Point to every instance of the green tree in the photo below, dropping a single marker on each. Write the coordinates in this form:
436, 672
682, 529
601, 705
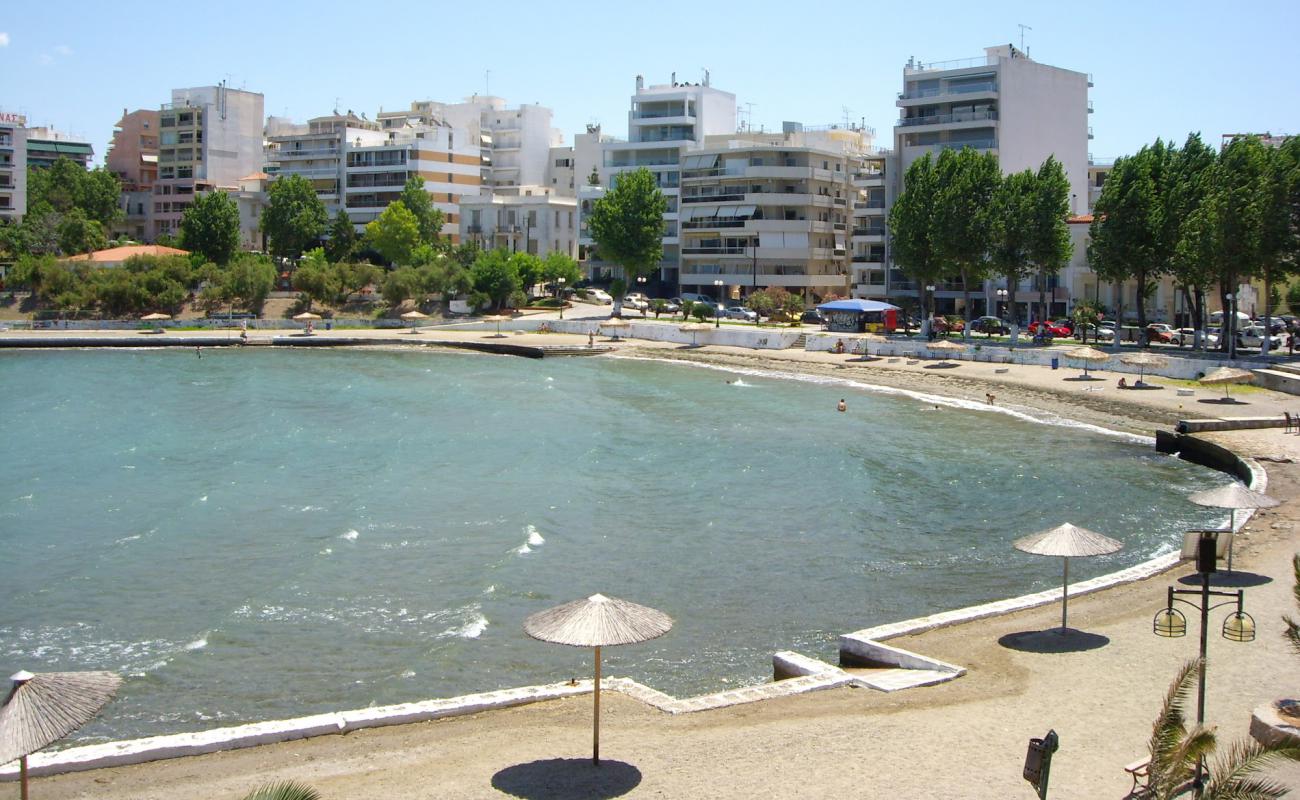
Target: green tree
420, 203
911, 222
247, 281
1012, 214
627, 225
394, 234
493, 275
1277, 237
529, 269
1191, 258
295, 218
1238, 214
401, 285
1176, 749
963, 227
1049, 245
315, 278
1126, 231
79, 234
559, 265
353, 278
31, 272
13, 240
761, 303
210, 227
98, 193
342, 238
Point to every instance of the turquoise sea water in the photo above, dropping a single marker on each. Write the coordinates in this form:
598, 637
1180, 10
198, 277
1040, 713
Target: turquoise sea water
256, 535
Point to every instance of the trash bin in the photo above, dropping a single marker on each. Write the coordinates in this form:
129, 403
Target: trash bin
1056, 362
330, 326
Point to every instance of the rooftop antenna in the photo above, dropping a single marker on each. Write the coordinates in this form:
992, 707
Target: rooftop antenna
336, 106
1023, 28
749, 116
848, 116
487, 82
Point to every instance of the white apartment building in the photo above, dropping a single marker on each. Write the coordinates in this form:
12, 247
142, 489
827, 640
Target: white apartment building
13, 166
1005, 103
664, 123
514, 143
209, 137
570, 166
759, 210
531, 219
361, 166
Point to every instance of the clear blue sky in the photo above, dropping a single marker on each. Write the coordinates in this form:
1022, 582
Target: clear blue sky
1160, 69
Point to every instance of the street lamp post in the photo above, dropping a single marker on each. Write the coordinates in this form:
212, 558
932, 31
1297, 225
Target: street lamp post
929, 321
560, 281
1229, 327
1002, 298
1170, 623
717, 313
640, 286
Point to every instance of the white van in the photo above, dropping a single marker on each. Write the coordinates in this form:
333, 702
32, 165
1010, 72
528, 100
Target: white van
698, 298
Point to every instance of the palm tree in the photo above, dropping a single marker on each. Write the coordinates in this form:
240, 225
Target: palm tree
1176, 750
1292, 632
287, 790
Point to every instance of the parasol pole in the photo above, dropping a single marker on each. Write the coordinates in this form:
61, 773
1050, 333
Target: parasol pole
595, 717
1065, 591
22, 775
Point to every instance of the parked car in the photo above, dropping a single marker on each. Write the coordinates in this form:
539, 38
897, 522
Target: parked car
1160, 332
631, 302
1095, 332
812, 317
1053, 329
740, 312
670, 306
600, 296
990, 325
1253, 336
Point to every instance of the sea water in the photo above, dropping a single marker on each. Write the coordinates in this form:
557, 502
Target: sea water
252, 535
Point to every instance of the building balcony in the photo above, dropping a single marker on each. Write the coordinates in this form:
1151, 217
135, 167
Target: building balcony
319, 152
919, 150
965, 92
958, 120
869, 260
869, 180
674, 119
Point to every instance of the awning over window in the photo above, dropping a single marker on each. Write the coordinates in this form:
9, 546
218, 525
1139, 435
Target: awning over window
700, 162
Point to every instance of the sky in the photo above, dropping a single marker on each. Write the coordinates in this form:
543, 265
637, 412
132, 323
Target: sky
1160, 70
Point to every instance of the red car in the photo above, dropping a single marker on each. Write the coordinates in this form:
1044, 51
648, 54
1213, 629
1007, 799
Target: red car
1053, 329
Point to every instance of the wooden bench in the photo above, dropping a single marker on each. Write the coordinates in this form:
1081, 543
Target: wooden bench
1140, 771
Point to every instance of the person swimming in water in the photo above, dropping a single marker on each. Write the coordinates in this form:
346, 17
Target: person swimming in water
843, 406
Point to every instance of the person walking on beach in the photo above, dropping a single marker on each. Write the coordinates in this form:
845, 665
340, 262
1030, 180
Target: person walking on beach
591, 338
843, 406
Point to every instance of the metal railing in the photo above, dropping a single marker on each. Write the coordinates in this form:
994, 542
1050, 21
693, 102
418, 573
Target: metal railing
965, 88
944, 119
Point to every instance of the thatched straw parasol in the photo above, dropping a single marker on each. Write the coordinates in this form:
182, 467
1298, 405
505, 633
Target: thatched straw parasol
597, 621
694, 328
498, 319
414, 316
1087, 355
616, 324
1067, 541
41, 709
944, 346
1228, 376
1142, 361
155, 317
306, 316
1233, 496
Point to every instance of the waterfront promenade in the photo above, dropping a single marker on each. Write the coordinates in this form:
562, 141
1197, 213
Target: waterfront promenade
963, 739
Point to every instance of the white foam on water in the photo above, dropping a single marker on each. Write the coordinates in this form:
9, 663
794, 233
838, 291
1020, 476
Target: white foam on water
549, 379
203, 499
351, 535
1040, 418
534, 538
126, 539
490, 589
326, 551
24, 497
198, 644
310, 508
128, 466
522, 549
410, 673
470, 630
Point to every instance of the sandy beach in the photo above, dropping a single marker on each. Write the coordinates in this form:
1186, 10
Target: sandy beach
962, 739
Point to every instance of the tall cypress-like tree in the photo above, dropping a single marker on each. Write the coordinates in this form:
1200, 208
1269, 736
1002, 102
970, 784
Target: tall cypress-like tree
627, 225
963, 224
1012, 213
420, 203
1186, 186
295, 218
911, 222
1049, 235
342, 240
1240, 200
1126, 227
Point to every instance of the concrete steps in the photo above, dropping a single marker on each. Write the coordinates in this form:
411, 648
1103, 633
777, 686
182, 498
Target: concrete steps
800, 343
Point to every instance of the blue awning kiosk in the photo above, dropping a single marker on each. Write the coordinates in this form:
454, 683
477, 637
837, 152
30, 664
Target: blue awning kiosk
857, 316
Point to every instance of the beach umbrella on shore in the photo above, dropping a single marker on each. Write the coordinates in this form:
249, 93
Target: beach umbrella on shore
43, 708
498, 319
155, 317
597, 621
306, 316
1226, 376
1067, 541
1087, 355
1233, 496
945, 346
616, 324
694, 328
1143, 361
414, 316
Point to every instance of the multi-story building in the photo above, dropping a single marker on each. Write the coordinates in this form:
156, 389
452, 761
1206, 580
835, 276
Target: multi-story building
13, 166
315, 151
45, 145
875, 184
250, 199
133, 158
532, 219
760, 210
514, 143
1004, 103
664, 122
208, 138
570, 166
